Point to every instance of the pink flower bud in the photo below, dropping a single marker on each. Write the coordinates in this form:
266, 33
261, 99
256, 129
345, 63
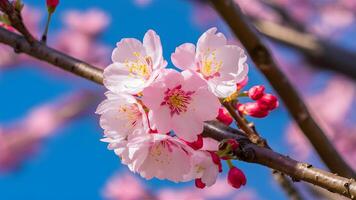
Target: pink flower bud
215, 158
233, 144
254, 110
256, 92
199, 183
52, 5
236, 177
196, 145
242, 84
268, 102
224, 116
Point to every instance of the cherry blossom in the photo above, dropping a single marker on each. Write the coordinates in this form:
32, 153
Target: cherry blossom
180, 102
203, 169
121, 115
135, 64
133, 190
160, 156
222, 65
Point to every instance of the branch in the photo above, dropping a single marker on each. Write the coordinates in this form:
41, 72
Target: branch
42, 52
15, 18
255, 138
249, 152
263, 60
320, 52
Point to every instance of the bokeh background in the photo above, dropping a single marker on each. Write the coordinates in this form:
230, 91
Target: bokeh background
68, 161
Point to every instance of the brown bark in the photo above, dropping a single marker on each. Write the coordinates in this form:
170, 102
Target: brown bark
260, 55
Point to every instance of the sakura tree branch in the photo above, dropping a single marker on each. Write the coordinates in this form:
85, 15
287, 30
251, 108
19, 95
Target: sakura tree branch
42, 52
320, 52
15, 17
248, 152
233, 16
255, 138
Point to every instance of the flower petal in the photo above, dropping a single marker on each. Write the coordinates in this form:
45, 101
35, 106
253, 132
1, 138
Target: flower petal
153, 46
184, 56
210, 40
127, 50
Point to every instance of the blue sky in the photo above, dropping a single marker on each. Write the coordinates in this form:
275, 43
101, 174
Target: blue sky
75, 164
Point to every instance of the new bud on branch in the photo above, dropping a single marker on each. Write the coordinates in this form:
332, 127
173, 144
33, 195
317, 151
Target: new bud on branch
236, 178
52, 5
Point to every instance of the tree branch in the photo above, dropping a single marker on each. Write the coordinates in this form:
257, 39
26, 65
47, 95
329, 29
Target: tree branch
263, 60
15, 18
320, 52
249, 152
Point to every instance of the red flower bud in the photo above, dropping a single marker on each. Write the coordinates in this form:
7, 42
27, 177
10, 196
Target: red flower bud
198, 144
268, 102
254, 110
242, 84
52, 5
199, 183
233, 144
224, 116
215, 158
256, 92
236, 177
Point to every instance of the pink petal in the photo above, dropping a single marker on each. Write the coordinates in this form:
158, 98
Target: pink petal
152, 44
205, 104
184, 56
187, 126
161, 119
210, 40
153, 95
192, 81
126, 50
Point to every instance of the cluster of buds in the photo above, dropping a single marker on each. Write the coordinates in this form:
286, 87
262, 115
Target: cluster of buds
236, 178
262, 105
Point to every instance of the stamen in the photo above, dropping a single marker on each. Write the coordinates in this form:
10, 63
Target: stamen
177, 100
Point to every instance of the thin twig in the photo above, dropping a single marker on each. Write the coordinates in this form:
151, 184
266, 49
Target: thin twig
255, 138
233, 16
15, 18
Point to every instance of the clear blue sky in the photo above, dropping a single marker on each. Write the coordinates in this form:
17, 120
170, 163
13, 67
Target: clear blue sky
75, 164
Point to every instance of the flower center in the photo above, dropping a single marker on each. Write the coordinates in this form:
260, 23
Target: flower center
210, 66
177, 99
132, 114
141, 67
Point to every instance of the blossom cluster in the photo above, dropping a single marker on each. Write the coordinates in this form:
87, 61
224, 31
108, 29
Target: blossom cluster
153, 116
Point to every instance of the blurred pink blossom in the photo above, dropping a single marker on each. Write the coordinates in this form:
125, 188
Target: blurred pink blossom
79, 39
91, 22
135, 190
124, 187
331, 107
22, 138
142, 3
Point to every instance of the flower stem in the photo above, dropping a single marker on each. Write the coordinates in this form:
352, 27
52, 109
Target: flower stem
44, 36
229, 162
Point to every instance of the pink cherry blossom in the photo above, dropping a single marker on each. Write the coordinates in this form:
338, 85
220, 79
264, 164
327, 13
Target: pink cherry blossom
159, 156
203, 168
222, 65
91, 22
22, 138
135, 64
121, 115
124, 187
180, 102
